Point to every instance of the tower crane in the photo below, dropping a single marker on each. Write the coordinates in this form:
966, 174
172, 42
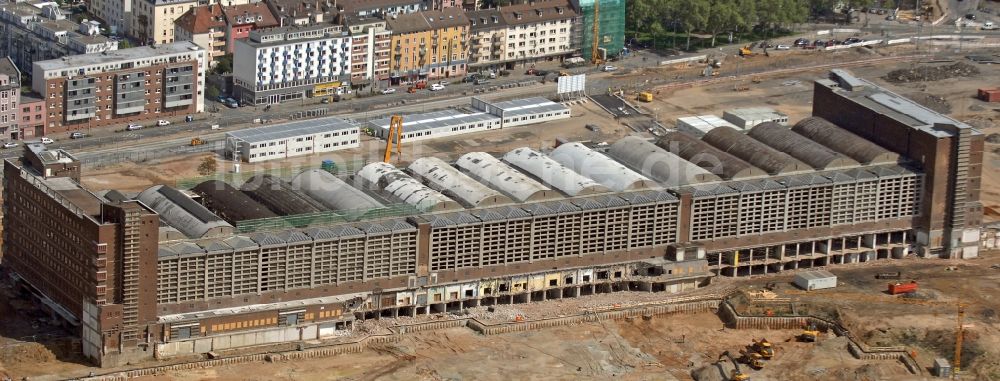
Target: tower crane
595, 54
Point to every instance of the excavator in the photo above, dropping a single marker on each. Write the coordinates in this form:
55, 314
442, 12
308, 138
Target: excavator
737, 375
764, 348
809, 334
754, 360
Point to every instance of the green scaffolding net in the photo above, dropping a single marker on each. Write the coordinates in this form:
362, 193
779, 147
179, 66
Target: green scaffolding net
611, 36
325, 218
237, 179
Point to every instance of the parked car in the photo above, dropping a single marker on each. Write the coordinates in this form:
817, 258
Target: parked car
783, 47
481, 81
389, 91
609, 68
970, 16
133, 127
325, 100
162, 122
77, 135
9, 145
802, 42
819, 43
833, 42
437, 86
232, 103
444, 83
47, 141
852, 40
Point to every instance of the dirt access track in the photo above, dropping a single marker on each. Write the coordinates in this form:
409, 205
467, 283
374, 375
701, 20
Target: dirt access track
687, 346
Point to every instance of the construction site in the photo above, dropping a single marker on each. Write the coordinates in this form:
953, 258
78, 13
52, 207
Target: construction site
579, 253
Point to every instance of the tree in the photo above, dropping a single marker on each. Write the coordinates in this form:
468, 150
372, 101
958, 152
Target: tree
207, 166
224, 65
212, 92
724, 15
124, 44
693, 16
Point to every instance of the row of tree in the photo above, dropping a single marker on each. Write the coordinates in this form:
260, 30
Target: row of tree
720, 16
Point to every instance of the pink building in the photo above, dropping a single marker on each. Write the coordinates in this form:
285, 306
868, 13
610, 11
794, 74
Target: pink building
10, 94
241, 19
31, 117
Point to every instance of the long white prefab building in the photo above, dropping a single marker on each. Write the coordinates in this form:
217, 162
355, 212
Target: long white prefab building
438, 124
292, 139
489, 116
525, 111
747, 118
702, 124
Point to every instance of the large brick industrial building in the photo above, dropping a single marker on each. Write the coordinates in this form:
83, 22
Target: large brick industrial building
170, 272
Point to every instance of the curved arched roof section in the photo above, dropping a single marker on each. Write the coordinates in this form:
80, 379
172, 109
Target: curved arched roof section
706, 156
279, 196
184, 214
229, 203
658, 164
406, 188
447, 179
553, 173
332, 192
754, 152
783, 139
601, 168
841, 140
490, 170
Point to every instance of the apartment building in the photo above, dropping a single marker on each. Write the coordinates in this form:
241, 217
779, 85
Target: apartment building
293, 62
31, 116
205, 26
40, 31
370, 52
243, 18
304, 12
538, 31
380, 8
429, 44
120, 87
117, 14
10, 95
487, 38
153, 20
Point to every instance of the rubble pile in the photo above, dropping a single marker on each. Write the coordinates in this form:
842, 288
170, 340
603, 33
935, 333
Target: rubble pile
931, 73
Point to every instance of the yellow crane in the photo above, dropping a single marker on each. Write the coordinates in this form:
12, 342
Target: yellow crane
958, 340
595, 54
395, 132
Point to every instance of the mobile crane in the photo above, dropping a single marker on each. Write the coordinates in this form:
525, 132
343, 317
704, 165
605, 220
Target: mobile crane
395, 132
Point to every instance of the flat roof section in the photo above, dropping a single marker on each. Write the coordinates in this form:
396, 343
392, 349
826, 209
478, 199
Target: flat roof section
435, 120
885, 102
75, 194
527, 106
291, 130
130, 54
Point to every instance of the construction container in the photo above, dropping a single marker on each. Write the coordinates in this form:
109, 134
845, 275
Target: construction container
902, 288
989, 95
942, 368
815, 280
889, 275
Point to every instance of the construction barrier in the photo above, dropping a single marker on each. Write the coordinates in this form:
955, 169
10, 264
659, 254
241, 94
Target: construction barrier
683, 60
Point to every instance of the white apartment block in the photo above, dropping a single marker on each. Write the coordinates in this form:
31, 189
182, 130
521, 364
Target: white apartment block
153, 20
292, 139
117, 14
280, 64
371, 40
538, 30
487, 38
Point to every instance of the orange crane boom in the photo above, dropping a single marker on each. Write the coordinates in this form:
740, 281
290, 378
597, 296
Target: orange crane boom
395, 132
595, 54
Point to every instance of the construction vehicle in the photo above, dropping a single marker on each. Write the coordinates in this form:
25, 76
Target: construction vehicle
197, 142
563, 74
421, 84
746, 52
753, 360
764, 348
902, 288
809, 334
395, 133
737, 374
755, 79
645, 96
741, 86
